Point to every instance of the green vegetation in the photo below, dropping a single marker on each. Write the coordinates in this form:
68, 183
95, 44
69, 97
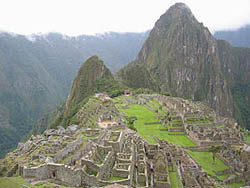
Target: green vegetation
44, 70
246, 137
218, 186
175, 179
114, 138
142, 91
220, 126
93, 77
130, 122
156, 106
214, 150
19, 182
237, 184
142, 183
116, 178
205, 159
144, 115
92, 173
155, 67
12, 183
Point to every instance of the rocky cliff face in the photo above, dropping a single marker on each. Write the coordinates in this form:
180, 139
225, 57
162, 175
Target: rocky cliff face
182, 57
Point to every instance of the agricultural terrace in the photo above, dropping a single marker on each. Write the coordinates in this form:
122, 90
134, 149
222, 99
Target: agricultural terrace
205, 159
145, 115
19, 182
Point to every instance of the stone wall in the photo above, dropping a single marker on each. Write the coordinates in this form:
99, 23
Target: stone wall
66, 174
158, 184
117, 146
223, 159
72, 146
210, 143
90, 165
43, 172
227, 171
152, 123
30, 172
121, 172
141, 177
78, 155
202, 143
176, 129
12, 171
62, 174
105, 169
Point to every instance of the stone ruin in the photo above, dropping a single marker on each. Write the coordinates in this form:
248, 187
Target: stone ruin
91, 156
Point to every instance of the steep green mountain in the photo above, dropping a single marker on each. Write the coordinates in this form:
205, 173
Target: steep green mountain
239, 37
27, 90
182, 57
36, 73
93, 77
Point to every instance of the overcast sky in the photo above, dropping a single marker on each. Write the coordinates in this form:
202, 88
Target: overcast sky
75, 17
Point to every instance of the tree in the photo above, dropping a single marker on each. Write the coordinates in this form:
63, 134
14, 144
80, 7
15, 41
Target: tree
130, 122
214, 150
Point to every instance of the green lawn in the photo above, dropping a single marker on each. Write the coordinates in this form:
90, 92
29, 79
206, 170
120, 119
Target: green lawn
156, 106
19, 182
205, 159
116, 178
10, 183
142, 183
220, 126
175, 179
148, 132
237, 184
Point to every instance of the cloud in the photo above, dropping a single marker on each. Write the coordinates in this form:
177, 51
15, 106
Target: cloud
95, 16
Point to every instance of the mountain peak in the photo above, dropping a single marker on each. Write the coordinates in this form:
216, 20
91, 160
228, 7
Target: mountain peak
181, 7
178, 12
93, 77
92, 70
177, 54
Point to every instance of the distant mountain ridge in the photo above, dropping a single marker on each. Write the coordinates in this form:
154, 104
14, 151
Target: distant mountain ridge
36, 73
239, 37
182, 57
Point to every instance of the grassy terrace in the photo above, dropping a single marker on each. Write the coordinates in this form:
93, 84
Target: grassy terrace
220, 126
148, 132
237, 184
175, 179
116, 178
205, 159
155, 105
18, 182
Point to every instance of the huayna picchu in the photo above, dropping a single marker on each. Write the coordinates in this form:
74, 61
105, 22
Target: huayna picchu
134, 129
182, 57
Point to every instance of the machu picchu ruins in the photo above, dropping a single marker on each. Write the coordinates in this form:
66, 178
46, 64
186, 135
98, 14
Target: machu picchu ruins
166, 108
101, 150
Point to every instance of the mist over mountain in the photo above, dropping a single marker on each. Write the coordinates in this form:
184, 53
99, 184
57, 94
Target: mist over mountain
239, 37
36, 73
